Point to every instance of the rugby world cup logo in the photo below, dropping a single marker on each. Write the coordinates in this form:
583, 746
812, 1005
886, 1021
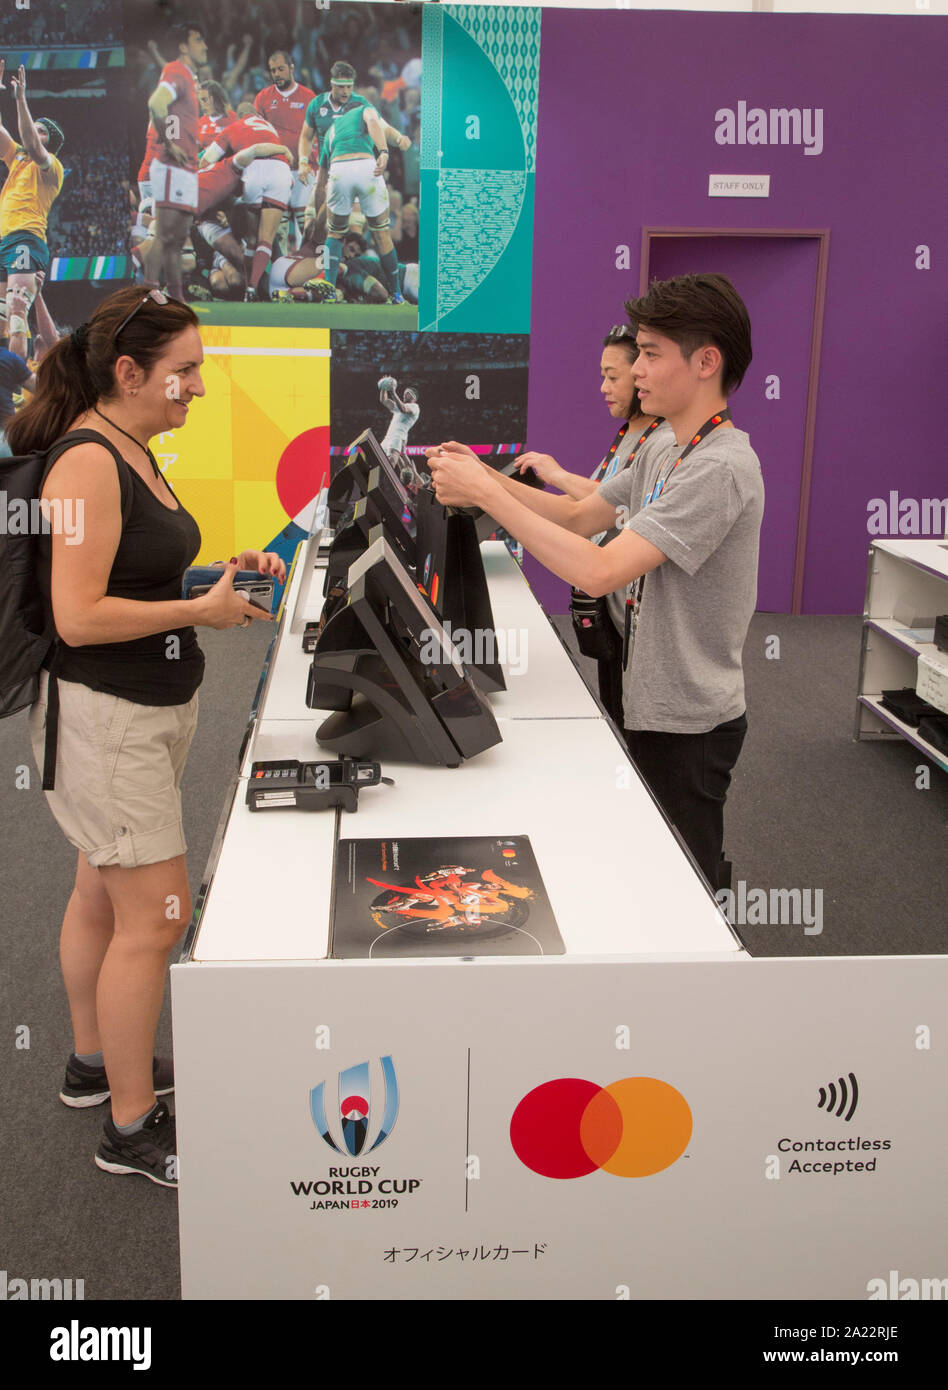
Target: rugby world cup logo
356, 1119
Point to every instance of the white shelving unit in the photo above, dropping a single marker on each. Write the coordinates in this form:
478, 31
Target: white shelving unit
908, 578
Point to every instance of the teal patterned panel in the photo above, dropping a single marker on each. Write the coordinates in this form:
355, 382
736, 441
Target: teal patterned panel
478, 157
510, 37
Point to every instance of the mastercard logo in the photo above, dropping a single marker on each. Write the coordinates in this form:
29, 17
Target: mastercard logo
632, 1128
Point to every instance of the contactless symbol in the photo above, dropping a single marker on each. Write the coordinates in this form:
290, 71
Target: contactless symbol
354, 1113
569, 1127
829, 1097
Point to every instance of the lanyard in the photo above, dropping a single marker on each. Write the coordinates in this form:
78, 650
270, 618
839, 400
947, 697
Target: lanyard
605, 468
634, 600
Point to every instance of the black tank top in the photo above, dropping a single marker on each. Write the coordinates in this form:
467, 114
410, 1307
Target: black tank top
156, 546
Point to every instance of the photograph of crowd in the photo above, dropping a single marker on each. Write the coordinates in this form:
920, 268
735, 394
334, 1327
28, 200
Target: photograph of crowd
275, 152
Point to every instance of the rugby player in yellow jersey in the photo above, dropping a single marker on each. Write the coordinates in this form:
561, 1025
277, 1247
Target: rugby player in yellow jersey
33, 181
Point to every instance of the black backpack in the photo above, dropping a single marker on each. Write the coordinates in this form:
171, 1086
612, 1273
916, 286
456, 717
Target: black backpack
27, 631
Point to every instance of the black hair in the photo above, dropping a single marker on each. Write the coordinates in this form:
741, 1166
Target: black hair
623, 336
54, 133
694, 310
181, 32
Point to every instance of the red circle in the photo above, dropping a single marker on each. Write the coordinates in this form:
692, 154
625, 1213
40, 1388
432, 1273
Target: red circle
354, 1103
303, 468
545, 1129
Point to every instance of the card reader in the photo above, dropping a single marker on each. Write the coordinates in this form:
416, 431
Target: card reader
317, 786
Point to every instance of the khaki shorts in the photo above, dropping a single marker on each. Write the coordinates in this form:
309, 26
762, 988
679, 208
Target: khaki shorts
117, 795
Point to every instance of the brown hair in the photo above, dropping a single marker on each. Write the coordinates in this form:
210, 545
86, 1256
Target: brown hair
74, 375
220, 101
694, 310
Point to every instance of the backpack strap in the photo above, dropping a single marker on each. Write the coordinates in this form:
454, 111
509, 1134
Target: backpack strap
68, 441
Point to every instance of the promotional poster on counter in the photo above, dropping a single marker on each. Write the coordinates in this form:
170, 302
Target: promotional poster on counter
465, 896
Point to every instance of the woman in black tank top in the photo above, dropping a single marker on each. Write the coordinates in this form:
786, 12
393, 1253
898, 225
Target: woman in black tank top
126, 654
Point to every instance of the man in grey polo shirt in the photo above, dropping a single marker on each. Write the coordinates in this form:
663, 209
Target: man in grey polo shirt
690, 513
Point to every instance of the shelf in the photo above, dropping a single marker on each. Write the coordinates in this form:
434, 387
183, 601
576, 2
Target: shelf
888, 627
872, 702
930, 555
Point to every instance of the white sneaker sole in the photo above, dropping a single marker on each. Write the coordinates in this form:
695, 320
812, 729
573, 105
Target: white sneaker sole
123, 1168
84, 1102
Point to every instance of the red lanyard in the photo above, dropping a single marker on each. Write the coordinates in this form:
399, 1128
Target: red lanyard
603, 468
634, 599
704, 431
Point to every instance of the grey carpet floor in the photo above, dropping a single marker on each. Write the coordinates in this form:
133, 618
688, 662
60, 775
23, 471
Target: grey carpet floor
808, 808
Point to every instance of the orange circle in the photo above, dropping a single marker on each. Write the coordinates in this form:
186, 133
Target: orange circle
656, 1126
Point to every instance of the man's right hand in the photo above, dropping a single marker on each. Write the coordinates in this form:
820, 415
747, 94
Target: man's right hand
174, 154
452, 446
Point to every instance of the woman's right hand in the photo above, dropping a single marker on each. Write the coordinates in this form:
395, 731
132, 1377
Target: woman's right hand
223, 606
544, 466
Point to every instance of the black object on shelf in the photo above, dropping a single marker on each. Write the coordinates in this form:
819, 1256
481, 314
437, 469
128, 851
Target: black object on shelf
933, 728
941, 632
906, 705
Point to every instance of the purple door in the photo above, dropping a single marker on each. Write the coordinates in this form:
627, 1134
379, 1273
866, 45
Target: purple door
776, 277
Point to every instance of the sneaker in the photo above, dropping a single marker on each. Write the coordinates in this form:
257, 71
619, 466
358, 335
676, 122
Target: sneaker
198, 290
85, 1086
250, 295
319, 289
152, 1152
396, 299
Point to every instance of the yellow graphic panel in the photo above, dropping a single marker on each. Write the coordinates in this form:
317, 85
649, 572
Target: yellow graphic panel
258, 515
211, 503
240, 464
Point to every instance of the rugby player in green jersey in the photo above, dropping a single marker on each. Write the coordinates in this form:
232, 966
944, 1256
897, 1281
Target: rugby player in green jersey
357, 157
321, 112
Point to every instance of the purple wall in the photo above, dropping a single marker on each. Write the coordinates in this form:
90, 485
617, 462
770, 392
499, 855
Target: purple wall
626, 140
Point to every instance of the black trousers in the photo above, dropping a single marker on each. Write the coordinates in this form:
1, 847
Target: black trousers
610, 679
689, 775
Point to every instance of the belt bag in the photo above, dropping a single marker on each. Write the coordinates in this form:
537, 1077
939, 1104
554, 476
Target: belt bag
595, 631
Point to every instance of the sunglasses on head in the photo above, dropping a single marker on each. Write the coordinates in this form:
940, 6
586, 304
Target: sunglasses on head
622, 330
157, 297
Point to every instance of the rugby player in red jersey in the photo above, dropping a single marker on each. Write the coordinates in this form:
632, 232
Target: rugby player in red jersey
174, 114
284, 105
267, 182
216, 112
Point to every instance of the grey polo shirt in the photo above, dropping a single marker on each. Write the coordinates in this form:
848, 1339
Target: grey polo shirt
685, 673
